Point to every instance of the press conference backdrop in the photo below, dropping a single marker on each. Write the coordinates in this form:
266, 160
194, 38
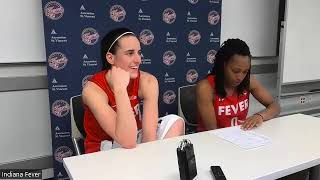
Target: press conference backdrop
301, 42
22, 39
183, 36
21, 32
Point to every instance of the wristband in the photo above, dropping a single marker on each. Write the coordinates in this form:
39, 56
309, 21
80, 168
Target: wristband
260, 116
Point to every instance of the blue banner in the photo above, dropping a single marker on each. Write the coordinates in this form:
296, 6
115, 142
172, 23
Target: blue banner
178, 41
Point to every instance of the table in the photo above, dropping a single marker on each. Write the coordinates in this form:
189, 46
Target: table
294, 146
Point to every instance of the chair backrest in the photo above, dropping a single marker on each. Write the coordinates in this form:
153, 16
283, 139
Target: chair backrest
187, 107
77, 128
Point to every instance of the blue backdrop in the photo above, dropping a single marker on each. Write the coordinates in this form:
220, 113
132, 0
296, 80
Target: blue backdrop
179, 40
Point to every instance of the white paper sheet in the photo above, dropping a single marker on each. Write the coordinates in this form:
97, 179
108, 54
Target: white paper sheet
244, 139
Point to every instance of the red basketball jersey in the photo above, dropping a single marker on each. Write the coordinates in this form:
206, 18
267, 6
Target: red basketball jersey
95, 134
230, 110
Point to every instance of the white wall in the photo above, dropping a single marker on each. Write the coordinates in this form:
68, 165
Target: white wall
301, 41
254, 21
21, 32
25, 130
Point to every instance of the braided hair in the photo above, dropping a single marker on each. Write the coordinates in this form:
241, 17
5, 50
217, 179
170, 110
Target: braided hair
228, 49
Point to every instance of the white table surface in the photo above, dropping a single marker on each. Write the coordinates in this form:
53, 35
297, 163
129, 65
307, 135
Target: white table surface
294, 146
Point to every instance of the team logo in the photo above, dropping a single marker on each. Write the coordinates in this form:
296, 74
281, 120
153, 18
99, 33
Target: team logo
193, 1
211, 56
85, 80
60, 108
169, 97
57, 60
117, 13
169, 58
146, 37
62, 152
194, 37
213, 17
192, 76
90, 36
169, 16
53, 10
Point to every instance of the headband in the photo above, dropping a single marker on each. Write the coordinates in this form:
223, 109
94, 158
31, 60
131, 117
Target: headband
119, 38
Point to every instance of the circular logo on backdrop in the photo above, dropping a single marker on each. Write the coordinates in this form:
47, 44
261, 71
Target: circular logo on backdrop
213, 17
192, 76
169, 97
57, 60
62, 152
211, 56
53, 10
117, 13
169, 16
146, 37
194, 37
60, 108
169, 58
90, 36
193, 1
85, 80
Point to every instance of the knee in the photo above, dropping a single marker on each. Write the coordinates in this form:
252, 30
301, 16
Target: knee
179, 126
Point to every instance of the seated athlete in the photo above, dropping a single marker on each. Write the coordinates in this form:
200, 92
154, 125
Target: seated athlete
223, 96
112, 97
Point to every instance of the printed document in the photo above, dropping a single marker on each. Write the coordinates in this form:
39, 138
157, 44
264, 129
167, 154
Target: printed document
244, 139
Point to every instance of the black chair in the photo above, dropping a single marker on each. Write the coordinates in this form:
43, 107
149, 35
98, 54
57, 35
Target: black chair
187, 107
77, 130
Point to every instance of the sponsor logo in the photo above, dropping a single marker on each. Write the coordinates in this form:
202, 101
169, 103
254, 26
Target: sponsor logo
60, 108
89, 36
58, 87
168, 79
171, 39
59, 174
169, 58
88, 62
191, 19
146, 37
190, 59
53, 10
62, 152
86, 14
213, 39
145, 60
213, 17
61, 134
169, 97
169, 16
57, 60
56, 38
117, 13
192, 76
194, 37
142, 16
211, 56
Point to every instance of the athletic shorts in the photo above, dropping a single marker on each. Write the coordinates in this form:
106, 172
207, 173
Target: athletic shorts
164, 124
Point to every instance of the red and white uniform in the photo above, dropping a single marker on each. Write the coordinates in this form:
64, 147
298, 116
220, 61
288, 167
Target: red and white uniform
95, 134
230, 111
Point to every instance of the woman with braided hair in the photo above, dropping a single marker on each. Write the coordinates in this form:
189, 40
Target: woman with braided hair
223, 96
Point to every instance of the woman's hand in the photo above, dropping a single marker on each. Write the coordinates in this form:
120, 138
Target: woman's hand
120, 78
252, 121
